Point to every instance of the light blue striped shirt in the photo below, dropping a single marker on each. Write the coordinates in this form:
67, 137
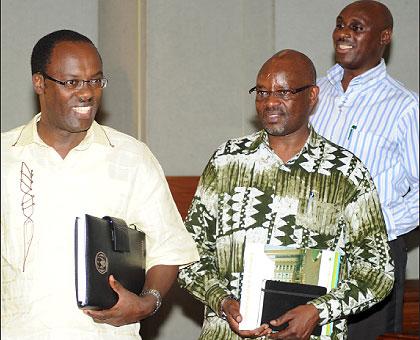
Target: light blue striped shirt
377, 119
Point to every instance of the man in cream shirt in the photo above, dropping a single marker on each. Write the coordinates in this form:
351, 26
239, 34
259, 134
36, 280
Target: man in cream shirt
62, 164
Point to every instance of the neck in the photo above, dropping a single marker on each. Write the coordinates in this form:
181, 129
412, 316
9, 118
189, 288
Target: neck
290, 145
349, 74
61, 141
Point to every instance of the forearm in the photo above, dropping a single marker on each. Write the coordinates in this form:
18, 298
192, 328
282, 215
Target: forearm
368, 276
352, 296
407, 183
202, 279
161, 278
206, 288
367, 273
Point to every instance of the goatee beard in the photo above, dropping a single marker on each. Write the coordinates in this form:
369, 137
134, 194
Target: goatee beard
275, 132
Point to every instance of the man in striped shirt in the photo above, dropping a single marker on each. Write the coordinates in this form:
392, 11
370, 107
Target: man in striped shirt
366, 111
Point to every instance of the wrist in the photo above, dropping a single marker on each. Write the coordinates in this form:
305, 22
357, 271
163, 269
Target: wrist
222, 303
156, 294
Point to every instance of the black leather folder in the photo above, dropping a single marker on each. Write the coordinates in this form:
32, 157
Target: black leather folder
105, 246
279, 297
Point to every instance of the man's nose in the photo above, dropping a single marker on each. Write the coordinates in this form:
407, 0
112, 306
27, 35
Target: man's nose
344, 32
85, 93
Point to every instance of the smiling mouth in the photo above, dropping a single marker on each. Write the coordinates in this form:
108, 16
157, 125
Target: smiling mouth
83, 111
343, 47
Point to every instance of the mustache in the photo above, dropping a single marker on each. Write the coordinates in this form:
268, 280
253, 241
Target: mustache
273, 109
345, 40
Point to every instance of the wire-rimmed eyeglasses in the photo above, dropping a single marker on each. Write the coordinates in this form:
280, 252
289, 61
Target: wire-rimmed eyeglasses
282, 94
76, 84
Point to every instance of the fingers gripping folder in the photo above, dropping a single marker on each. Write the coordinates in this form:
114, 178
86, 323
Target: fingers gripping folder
103, 247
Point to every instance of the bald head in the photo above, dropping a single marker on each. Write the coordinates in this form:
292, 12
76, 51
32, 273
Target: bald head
376, 11
292, 62
286, 95
362, 33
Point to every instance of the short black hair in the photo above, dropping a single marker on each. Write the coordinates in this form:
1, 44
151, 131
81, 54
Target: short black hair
41, 53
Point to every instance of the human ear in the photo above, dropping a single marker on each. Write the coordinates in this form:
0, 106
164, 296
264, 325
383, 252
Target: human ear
314, 91
313, 97
38, 83
386, 36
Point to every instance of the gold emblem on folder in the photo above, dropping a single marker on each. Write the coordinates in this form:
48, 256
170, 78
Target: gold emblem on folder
101, 262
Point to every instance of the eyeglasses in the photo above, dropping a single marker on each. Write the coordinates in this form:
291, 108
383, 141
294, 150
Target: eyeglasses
282, 94
76, 84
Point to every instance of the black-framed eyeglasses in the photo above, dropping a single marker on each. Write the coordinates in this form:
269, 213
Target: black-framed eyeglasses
76, 84
282, 94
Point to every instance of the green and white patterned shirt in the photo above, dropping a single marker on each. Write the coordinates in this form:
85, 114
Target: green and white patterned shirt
322, 198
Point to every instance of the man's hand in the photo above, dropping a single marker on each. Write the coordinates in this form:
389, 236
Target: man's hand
231, 309
130, 307
302, 321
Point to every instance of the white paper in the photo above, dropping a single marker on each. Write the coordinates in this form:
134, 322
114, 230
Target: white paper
81, 258
327, 268
257, 268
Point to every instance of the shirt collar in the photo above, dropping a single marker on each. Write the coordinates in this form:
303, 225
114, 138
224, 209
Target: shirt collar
312, 142
366, 79
29, 134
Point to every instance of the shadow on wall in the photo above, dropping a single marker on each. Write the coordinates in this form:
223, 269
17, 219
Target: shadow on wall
412, 239
387, 54
191, 309
255, 122
118, 108
35, 103
101, 116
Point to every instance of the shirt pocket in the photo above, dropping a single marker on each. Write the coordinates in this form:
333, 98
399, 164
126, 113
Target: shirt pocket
377, 152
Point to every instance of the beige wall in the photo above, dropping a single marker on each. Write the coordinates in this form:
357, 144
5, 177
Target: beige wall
120, 45
186, 66
202, 58
23, 23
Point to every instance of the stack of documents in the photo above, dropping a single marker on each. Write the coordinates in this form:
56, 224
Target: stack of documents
277, 279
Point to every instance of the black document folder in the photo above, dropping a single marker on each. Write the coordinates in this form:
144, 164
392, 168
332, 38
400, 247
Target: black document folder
279, 297
103, 247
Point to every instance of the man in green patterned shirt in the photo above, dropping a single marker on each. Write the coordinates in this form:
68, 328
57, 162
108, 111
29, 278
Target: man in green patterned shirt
294, 188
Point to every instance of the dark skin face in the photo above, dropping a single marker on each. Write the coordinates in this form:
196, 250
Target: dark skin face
68, 113
361, 34
286, 121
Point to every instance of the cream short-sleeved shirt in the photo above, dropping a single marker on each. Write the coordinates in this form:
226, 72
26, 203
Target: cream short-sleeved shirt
108, 173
